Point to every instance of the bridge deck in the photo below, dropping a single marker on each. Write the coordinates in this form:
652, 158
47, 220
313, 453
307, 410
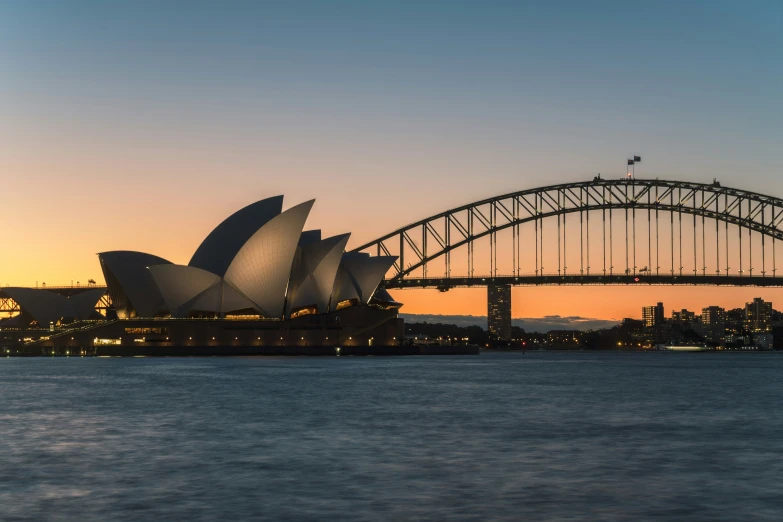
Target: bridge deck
62, 290
444, 283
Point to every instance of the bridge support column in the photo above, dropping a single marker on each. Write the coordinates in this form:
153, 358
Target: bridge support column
499, 311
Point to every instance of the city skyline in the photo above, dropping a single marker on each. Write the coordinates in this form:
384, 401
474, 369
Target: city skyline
580, 323
120, 120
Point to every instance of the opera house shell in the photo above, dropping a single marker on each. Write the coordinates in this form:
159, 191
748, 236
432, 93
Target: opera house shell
259, 261
258, 277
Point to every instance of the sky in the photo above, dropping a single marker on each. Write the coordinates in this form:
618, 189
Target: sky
141, 125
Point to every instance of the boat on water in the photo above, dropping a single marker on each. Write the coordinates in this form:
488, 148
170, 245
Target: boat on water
683, 347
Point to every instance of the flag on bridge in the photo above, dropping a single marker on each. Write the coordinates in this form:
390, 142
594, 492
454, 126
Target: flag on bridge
637, 159
630, 162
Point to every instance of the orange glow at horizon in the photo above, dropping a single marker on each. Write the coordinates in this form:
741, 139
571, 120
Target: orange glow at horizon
142, 126
61, 251
595, 302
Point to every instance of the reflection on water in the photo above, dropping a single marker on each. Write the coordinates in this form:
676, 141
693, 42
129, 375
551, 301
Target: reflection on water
500, 436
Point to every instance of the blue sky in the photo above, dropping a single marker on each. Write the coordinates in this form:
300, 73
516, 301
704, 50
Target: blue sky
418, 106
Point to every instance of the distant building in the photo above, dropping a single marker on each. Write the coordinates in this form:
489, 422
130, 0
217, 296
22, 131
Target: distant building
735, 340
564, 338
735, 321
499, 311
758, 316
653, 315
655, 328
683, 316
763, 341
425, 340
713, 323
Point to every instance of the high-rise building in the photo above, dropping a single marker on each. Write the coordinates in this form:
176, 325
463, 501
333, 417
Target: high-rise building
735, 321
713, 323
655, 329
499, 311
758, 316
653, 315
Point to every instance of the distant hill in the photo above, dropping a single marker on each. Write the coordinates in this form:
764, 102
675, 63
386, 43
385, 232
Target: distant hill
529, 324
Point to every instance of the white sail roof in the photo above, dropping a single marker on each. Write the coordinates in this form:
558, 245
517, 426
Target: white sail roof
262, 267
187, 288
232, 300
179, 284
259, 258
220, 298
359, 276
344, 287
221, 246
128, 279
207, 301
314, 273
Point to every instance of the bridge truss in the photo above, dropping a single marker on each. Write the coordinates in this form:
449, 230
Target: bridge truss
623, 231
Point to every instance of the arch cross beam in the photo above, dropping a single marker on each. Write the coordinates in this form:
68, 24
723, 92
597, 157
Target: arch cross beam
440, 234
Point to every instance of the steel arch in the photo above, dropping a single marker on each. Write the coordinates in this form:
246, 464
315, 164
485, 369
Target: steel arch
748, 210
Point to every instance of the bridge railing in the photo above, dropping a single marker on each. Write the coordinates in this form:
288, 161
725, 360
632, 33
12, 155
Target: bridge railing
445, 283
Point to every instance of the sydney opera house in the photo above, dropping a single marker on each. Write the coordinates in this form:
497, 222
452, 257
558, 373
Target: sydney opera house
257, 283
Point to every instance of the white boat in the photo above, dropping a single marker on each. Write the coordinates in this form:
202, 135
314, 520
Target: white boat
686, 347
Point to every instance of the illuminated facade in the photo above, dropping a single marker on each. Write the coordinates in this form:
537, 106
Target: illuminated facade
499, 311
683, 316
653, 315
713, 323
758, 316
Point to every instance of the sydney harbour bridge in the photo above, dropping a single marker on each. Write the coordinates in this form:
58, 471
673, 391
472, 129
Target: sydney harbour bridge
623, 231
600, 232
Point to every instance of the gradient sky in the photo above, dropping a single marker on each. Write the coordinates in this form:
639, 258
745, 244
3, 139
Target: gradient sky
141, 125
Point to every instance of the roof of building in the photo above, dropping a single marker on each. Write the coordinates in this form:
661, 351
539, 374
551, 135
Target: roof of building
222, 245
257, 259
262, 267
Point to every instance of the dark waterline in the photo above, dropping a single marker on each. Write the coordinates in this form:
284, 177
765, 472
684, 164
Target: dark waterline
501, 436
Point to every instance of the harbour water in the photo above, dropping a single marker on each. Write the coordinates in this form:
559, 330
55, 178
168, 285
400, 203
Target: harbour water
500, 436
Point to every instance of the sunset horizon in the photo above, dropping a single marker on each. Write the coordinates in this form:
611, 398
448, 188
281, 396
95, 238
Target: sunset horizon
142, 126
351, 261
